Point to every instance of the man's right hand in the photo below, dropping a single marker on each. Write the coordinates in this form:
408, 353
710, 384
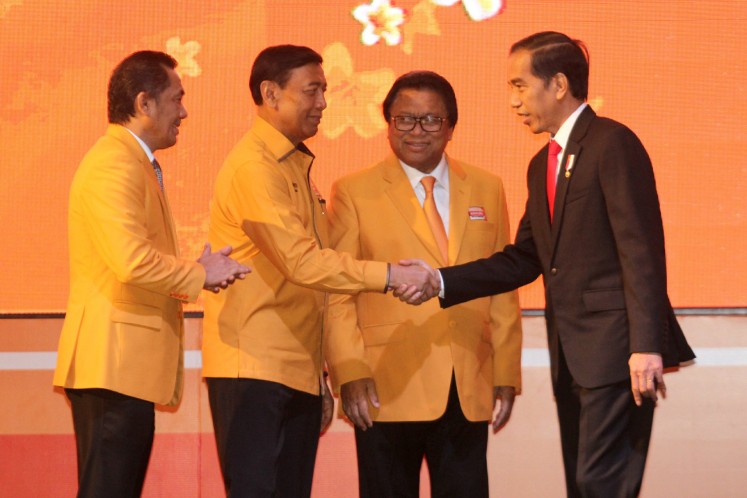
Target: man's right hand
414, 281
355, 396
220, 270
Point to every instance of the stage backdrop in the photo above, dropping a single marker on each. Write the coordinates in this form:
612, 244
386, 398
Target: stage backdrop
674, 71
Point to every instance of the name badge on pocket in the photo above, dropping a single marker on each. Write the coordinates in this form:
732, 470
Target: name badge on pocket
477, 213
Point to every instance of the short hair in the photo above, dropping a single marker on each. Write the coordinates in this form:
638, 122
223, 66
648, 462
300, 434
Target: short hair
276, 63
144, 71
423, 80
554, 53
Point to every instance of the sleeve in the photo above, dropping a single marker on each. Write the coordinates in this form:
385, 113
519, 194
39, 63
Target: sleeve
516, 265
344, 348
262, 203
629, 188
113, 203
505, 316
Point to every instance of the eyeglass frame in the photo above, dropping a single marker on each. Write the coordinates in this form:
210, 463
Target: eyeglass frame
418, 120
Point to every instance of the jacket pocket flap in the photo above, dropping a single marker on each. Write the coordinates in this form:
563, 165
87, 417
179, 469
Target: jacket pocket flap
378, 335
137, 314
605, 299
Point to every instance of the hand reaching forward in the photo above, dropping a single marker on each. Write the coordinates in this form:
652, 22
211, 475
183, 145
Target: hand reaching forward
409, 291
355, 396
220, 270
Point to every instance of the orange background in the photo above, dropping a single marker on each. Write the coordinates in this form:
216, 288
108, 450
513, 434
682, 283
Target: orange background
673, 71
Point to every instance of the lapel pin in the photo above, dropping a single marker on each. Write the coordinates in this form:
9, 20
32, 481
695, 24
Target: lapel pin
569, 165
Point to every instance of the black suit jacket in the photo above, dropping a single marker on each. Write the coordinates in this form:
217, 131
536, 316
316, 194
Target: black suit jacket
602, 258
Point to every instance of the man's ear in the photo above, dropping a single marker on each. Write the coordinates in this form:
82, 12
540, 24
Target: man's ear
560, 85
270, 93
143, 104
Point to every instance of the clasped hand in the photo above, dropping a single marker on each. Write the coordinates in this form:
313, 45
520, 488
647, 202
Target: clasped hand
220, 270
414, 281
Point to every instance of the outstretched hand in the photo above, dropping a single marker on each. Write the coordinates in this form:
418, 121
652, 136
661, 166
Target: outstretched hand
415, 291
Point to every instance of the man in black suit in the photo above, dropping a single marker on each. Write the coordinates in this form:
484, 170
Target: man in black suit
600, 249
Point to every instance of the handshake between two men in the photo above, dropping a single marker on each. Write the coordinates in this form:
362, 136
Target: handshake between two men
414, 281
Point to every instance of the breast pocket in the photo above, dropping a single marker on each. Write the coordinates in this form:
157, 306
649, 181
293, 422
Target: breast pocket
480, 235
575, 195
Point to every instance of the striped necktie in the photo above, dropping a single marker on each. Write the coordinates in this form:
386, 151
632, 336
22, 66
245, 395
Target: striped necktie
159, 174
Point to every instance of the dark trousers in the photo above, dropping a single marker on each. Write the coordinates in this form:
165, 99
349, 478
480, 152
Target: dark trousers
267, 435
390, 455
604, 437
114, 437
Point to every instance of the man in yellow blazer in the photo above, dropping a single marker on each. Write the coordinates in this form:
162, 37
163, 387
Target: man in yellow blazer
120, 350
420, 381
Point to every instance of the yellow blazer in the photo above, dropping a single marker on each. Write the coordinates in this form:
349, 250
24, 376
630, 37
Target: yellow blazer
123, 328
411, 351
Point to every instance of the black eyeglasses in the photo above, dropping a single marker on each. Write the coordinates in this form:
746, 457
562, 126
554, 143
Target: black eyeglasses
427, 123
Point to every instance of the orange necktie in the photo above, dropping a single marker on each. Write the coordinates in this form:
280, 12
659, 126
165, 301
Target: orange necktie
552, 173
434, 219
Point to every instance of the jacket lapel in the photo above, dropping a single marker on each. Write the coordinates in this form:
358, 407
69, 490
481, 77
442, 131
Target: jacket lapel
122, 134
571, 163
403, 197
459, 200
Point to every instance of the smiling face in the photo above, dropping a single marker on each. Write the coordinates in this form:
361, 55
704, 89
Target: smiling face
165, 114
296, 109
537, 102
418, 148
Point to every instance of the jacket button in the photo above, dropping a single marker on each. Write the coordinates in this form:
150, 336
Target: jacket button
554, 271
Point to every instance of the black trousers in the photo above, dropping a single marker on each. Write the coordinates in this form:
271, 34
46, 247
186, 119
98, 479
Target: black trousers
390, 455
267, 436
604, 437
114, 437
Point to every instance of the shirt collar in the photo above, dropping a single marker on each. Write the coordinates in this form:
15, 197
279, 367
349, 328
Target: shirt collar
276, 142
564, 132
147, 150
440, 173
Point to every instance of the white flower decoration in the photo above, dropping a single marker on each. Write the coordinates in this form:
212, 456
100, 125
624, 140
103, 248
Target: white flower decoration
380, 20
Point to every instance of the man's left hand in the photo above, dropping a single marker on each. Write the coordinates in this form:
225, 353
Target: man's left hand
646, 376
328, 407
506, 394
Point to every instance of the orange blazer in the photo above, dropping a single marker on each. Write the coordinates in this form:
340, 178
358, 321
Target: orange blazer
411, 351
123, 328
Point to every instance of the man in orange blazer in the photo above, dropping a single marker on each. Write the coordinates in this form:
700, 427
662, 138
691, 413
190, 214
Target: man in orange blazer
420, 381
120, 350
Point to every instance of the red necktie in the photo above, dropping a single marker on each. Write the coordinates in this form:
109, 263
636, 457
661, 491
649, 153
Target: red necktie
552, 173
